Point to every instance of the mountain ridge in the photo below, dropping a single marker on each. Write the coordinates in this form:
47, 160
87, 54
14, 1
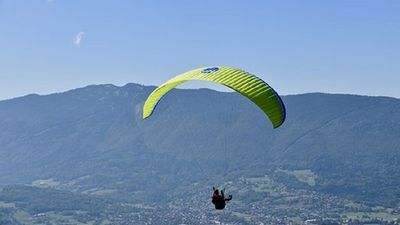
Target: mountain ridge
154, 86
97, 132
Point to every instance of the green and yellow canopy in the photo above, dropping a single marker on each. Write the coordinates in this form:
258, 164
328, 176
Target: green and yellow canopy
245, 83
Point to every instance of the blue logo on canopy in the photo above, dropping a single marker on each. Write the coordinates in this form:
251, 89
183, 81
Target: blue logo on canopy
210, 70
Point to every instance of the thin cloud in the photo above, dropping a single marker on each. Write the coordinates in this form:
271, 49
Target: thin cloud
78, 38
50, 1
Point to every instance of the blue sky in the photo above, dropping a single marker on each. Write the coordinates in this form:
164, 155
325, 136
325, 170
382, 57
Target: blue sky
335, 46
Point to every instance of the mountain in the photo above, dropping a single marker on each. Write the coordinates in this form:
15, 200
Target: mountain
92, 140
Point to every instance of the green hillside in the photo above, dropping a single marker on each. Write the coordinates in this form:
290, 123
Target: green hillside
92, 140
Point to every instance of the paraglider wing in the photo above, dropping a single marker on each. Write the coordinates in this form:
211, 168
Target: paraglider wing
246, 84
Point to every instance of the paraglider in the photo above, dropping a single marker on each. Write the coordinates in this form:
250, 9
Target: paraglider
248, 85
219, 200
242, 82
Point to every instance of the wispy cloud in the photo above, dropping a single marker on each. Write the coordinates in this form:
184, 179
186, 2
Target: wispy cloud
78, 38
50, 1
